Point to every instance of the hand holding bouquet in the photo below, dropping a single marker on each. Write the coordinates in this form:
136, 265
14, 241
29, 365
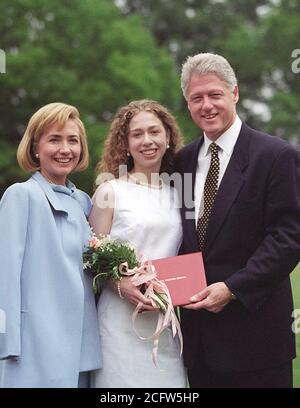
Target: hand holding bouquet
111, 259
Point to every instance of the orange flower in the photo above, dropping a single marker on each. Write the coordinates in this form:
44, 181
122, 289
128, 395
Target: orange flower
95, 243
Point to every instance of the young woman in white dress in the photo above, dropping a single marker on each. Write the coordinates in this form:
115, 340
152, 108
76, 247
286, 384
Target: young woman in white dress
139, 208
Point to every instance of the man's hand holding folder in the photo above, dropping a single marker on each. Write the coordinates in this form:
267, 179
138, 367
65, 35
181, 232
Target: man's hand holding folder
213, 298
184, 276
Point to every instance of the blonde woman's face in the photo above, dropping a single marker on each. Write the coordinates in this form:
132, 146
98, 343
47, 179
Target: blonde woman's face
59, 151
147, 142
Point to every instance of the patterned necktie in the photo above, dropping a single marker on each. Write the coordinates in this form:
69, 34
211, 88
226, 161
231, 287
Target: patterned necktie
210, 192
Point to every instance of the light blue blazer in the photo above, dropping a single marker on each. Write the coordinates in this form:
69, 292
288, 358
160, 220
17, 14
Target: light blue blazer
48, 323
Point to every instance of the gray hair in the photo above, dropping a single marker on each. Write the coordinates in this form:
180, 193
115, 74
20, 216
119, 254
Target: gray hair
206, 63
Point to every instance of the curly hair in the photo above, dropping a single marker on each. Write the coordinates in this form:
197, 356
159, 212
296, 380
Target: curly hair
116, 144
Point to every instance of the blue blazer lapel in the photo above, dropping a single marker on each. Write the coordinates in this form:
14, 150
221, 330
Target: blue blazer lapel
230, 187
49, 193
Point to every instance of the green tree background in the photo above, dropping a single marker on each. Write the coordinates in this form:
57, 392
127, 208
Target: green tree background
82, 53
100, 54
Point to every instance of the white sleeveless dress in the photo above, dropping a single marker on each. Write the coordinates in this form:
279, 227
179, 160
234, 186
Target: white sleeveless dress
147, 218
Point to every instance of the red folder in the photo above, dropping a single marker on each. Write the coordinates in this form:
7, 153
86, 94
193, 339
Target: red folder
184, 276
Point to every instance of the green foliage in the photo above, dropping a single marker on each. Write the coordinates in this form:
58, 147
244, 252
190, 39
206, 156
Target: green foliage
98, 56
281, 33
8, 166
96, 134
296, 294
83, 53
256, 36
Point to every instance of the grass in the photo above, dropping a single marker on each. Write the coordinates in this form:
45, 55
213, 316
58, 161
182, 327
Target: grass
296, 294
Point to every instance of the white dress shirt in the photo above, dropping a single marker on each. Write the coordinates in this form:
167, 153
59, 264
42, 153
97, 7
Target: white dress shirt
226, 143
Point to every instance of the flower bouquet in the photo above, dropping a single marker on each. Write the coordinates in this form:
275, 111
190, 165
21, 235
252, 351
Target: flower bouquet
110, 259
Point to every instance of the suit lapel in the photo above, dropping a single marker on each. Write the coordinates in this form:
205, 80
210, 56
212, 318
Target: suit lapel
49, 193
230, 186
189, 189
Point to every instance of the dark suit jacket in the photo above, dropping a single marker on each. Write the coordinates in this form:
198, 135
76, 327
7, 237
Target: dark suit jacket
252, 244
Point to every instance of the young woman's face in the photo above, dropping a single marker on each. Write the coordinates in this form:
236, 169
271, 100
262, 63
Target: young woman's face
59, 151
147, 142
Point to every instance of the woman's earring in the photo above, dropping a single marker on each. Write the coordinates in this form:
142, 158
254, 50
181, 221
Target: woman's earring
128, 154
168, 146
36, 155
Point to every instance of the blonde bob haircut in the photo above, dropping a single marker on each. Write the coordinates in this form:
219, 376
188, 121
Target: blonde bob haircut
47, 116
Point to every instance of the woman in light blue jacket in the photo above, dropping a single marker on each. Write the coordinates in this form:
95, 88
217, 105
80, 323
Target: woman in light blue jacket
48, 325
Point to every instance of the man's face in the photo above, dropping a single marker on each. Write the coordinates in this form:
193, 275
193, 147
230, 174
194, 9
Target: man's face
212, 104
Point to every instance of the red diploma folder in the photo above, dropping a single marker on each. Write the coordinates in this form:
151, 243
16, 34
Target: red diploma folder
183, 274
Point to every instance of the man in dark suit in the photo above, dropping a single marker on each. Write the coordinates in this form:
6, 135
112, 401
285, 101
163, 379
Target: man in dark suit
246, 221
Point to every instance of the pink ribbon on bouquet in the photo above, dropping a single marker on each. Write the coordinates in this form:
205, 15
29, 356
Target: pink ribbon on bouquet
146, 274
